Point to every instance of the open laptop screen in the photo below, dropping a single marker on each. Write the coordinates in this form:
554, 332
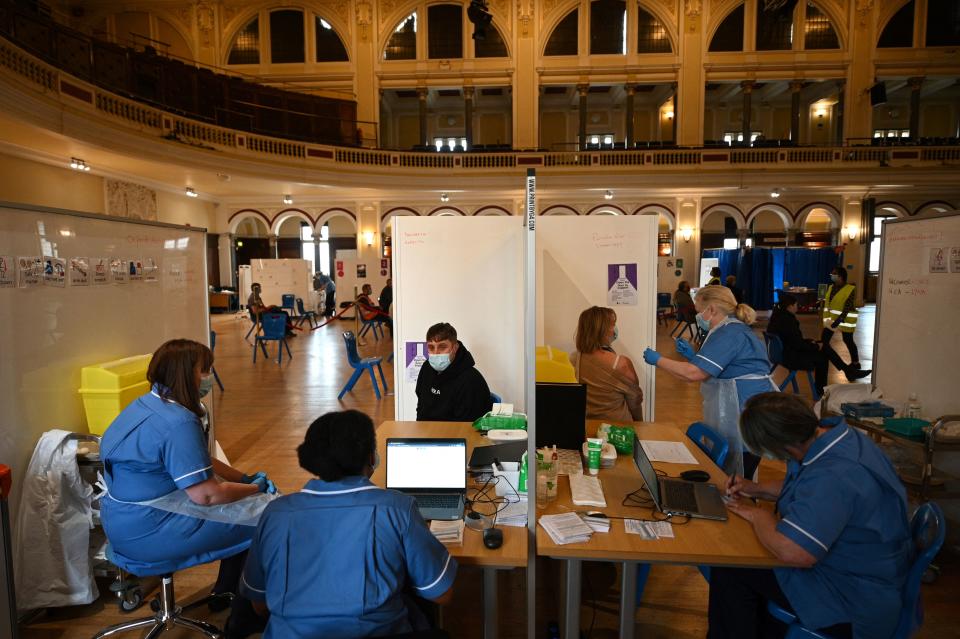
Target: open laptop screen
427, 463
646, 470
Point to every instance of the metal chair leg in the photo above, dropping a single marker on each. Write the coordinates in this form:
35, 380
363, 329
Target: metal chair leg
199, 626
125, 626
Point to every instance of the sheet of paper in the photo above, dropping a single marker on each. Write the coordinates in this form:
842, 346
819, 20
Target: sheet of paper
637, 527
669, 452
662, 529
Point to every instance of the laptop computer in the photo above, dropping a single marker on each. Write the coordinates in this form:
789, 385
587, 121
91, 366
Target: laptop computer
561, 415
431, 470
678, 496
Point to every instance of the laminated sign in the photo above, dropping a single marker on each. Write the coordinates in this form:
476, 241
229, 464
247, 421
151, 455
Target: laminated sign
29, 271
416, 356
100, 266
54, 271
79, 271
622, 285
8, 271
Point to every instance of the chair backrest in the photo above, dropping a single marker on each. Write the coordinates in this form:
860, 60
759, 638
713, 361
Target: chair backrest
274, 325
213, 340
928, 529
496, 399
300, 309
287, 300
663, 300
710, 442
774, 348
353, 356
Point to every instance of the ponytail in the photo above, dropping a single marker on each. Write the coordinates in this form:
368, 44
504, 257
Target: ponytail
745, 314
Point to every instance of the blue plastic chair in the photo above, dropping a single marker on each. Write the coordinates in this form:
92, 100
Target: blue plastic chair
775, 354
375, 324
717, 449
303, 314
928, 529
213, 369
664, 307
287, 301
274, 330
495, 399
253, 323
359, 365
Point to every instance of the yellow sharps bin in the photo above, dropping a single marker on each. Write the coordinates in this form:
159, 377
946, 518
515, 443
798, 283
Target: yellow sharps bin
107, 388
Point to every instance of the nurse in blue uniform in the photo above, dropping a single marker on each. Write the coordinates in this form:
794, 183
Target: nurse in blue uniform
841, 525
169, 505
732, 366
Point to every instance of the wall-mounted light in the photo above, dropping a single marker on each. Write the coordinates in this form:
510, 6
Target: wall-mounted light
79, 165
775, 193
368, 237
191, 193
444, 197
686, 233
668, 115
239, 243
288, 199
608, 195
852, 231
748, 242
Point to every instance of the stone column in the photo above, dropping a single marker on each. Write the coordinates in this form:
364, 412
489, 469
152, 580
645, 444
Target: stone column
747, 110
915, 85
582, 90
274, 249
422, 99
468, 93
234, 277
838, 111
795, 88
631, 92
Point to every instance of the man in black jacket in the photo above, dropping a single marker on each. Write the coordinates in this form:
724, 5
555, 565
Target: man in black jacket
449, 388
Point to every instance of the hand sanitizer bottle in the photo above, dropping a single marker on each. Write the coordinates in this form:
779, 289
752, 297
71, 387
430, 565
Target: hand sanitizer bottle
913, 407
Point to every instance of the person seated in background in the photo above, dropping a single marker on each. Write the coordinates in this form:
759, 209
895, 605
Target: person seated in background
714, 276
369, 311
800, 353
342, 558
386, 297
449, 387
731, 283
613, 386
841, 526
256, 307
684, 303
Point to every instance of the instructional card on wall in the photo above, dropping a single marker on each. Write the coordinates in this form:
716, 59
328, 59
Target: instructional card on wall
938, 260
8, 271
416, 356
622, 285
136, 270
100, 267
29, 271
54, 271
955, 259
361, 271
79, 271
118, 270
151, 271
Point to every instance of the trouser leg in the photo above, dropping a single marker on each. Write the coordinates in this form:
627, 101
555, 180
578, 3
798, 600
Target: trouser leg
231, 568
832, 356
820, 371
851, 346
738, 604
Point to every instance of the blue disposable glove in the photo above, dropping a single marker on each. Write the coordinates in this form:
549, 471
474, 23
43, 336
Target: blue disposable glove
249, 479
264, 485
685, 349
651, 356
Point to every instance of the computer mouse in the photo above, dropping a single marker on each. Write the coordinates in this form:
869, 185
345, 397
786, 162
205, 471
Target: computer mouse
492, 538
695, 475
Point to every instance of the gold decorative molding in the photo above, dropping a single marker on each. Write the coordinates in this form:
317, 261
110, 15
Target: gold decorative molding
206, 22
692, 8
386, 9
864, 9
364, 19
525, 13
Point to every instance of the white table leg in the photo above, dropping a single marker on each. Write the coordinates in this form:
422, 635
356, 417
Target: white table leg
628, 599
571, 612
490, 618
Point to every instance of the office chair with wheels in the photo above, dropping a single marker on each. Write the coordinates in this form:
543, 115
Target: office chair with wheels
775, 354
360, 365
274, 330
928, 529
213, 369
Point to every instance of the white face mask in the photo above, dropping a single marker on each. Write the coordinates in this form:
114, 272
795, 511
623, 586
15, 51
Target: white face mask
206, 385
834, 278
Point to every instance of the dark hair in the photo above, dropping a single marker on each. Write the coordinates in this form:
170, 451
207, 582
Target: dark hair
786, 299
173, 367
338, 445
841, 272
715, 271
684, 285
366, 289
772, 421
255, 284
440, 332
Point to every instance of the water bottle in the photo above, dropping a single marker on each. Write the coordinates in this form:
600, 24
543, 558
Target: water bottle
913, 407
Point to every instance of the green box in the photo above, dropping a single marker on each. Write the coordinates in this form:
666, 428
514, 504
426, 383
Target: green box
906, 426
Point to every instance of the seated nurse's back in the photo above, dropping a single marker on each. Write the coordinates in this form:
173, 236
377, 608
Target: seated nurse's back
343, 558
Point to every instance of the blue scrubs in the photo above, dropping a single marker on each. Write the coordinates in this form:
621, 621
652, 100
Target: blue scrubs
733, 350
332, 561
845, 506
153, 448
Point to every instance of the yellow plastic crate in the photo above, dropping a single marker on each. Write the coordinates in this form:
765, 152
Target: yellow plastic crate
107, 388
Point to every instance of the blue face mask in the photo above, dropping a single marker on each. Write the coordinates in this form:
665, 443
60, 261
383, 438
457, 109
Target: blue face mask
206, 385
616, 334
703, 324
440, 361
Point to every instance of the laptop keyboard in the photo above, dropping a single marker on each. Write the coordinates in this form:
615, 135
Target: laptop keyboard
680, 496
437, 501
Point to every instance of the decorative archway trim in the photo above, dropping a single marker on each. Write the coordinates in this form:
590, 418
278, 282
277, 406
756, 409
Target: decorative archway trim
723, 207
492, 207
606, 206
780, 210
239, 216
899, 209
552, 207
445, 208
836, 218
659, 209
932, 204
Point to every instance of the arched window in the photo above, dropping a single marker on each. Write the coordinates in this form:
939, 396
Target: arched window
492, 46
402, 45
943, 23
818, 30
729, 35
651, 34
899, 31
608, 27
287, 37
246, 46
563, 40
775, 25
444, 31
329, 45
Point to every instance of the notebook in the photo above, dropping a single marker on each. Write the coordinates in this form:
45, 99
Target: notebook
431, 470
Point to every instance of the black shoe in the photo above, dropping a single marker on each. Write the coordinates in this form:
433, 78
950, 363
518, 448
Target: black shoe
855, 374
220, 602
243, 620
855, 365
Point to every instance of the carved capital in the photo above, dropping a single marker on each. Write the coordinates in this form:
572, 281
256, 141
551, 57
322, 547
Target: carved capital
583, 89
864, 9
796, 86
916, 83
692, 8
364, 19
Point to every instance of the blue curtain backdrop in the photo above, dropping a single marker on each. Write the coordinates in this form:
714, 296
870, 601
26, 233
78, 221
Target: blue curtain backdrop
761, 270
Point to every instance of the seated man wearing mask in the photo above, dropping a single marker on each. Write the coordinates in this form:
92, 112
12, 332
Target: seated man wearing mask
449, 388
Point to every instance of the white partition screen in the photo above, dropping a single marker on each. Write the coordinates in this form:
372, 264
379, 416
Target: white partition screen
600, 261
468, 272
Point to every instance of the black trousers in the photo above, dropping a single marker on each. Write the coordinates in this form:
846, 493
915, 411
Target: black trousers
738, 606
832, 355
815, 360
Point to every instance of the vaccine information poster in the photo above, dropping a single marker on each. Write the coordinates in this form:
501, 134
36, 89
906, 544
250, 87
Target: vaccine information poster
622, 285
8, 271
415, 357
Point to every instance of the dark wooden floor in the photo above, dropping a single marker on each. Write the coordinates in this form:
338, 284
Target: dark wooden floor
261, 418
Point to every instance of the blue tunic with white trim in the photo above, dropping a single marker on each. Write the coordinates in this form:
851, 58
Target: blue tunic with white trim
332, 561
733, 350
845, 506
155, 447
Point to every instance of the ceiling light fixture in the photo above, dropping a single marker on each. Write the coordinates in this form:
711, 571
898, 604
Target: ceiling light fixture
288, 199
444, 197
191, 193
78, 165
608, 195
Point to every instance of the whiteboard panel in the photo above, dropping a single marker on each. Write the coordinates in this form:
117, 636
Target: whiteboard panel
573, 258
915, 348
278, 277
49, 332
468, 272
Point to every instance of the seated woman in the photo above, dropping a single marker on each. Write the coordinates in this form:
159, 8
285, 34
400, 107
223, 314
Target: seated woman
613, 387
335, 559
684, 303
841, 526
369, 311
163, 485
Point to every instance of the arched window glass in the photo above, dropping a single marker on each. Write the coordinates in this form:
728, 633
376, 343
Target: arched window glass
729, 35
444, 31
818, 31
943, 23
563, 40
287, 40
899, 31
608, 27
651, 34
329, 45
246, 46
402, 45
491, 46
775, 25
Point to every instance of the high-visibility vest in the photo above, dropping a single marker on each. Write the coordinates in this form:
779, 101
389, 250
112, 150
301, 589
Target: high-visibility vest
714, 281
833, 308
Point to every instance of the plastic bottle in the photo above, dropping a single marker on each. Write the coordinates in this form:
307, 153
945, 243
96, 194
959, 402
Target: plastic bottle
522, 481
913, 407
552, 470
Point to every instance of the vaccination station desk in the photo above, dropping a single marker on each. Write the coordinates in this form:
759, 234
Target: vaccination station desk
699, 542
513, 552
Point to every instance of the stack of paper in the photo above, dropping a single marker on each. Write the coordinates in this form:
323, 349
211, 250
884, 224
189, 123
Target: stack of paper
587, 491
598, 524
566, 528
569, 462
448, 533
669, 452
513, 514
649, 530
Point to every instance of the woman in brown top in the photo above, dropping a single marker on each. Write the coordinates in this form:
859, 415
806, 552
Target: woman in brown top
613, 387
